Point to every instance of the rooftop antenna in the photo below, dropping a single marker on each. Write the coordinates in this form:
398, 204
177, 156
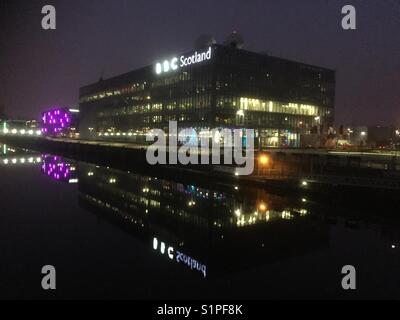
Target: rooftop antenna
235, 40
204, 41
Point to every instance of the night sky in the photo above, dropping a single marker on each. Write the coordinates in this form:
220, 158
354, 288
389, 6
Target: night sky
39, 69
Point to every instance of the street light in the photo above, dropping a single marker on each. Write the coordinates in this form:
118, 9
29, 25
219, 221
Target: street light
262, 207
263, 160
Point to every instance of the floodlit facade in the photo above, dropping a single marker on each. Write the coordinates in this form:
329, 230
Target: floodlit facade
214, 87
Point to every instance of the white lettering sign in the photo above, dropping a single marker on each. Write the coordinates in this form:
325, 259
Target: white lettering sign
184, 61
179, 257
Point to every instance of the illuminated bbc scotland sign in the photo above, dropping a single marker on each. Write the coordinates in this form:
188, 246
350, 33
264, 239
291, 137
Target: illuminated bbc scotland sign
183, 61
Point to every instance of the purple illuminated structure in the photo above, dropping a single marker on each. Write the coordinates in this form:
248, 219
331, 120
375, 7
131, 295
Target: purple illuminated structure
56, 121
57, 169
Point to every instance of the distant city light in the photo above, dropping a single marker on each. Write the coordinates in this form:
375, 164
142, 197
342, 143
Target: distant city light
22, 160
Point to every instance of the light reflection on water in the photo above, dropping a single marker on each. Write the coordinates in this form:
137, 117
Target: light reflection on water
209, 224
210, 231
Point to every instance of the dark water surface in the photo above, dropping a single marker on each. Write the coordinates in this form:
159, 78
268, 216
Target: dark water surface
114, 234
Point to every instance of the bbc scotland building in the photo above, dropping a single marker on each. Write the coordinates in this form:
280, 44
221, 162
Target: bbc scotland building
218, 86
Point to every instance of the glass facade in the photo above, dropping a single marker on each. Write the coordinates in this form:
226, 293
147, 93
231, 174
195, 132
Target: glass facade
280, 99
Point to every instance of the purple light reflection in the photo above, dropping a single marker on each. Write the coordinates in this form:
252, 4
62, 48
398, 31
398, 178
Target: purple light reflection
56, 168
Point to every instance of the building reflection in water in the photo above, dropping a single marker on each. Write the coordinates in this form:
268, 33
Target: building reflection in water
210, 229
213, 230
58, 169
10, 156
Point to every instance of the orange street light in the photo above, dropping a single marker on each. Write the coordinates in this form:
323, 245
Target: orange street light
262, 207
263, 160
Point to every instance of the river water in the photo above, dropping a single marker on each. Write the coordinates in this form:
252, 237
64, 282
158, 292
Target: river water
114, 234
